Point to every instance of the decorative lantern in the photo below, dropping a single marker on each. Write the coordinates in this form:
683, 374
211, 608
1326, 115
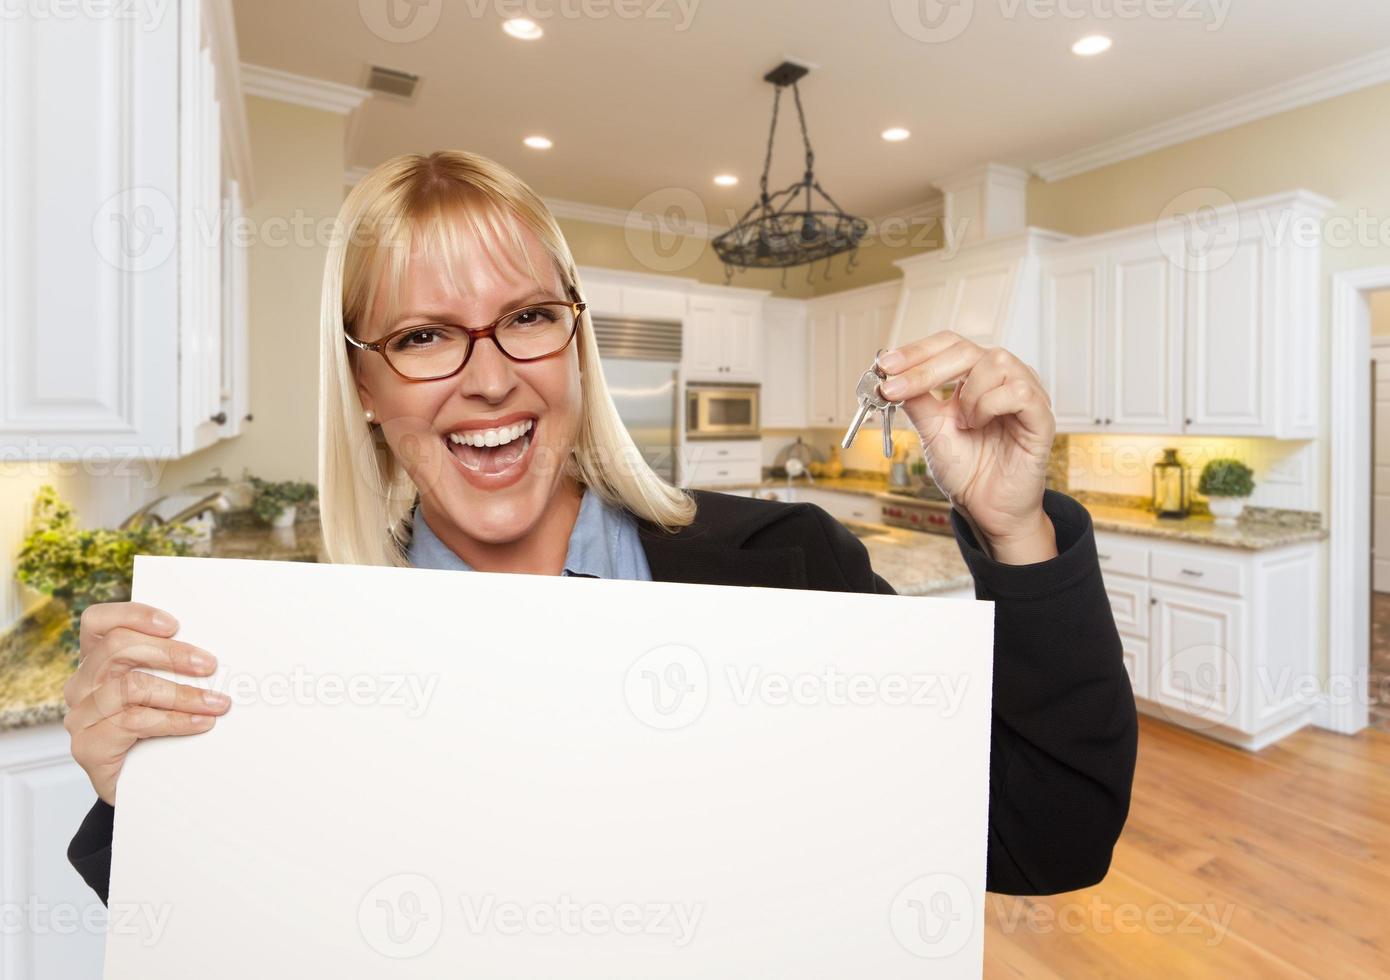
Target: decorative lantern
1170, 486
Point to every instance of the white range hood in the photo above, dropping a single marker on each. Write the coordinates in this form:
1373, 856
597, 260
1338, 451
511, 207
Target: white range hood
984, 283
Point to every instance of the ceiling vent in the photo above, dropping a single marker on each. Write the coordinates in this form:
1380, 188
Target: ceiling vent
399, 85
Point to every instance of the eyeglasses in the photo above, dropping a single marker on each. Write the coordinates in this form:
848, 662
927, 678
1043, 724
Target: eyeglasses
431, 351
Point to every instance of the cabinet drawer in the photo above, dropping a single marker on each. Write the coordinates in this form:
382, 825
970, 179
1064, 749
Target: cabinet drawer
715, 472
1199, 572
723, 450
844, 506
1122, 557
1129, 602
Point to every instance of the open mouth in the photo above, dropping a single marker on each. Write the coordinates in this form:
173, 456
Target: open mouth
492, 452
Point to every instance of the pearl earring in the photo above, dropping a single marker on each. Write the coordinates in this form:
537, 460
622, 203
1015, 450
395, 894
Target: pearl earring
369, 415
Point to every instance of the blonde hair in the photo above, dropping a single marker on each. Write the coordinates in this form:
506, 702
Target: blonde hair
366, 495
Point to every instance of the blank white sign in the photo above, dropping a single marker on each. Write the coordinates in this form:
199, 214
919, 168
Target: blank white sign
432, 773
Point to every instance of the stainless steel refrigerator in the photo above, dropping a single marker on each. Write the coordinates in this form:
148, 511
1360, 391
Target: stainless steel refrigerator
641, 361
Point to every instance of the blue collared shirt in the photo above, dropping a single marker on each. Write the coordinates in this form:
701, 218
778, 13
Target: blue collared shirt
603, 544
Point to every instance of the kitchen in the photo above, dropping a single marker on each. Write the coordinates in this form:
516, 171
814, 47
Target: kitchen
1171, 229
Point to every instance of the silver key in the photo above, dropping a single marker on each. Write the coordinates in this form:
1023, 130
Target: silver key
871, 401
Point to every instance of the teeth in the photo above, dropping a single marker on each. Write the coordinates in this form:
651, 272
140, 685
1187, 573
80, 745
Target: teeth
492, 437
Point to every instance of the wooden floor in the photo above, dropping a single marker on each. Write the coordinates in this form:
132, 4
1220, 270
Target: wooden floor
1232, 864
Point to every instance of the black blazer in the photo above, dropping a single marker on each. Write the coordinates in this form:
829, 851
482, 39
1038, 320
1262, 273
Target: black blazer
1064, 734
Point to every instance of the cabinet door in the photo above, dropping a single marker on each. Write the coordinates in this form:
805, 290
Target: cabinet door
843, 506
1230, 360
702, 341
785, 368
43, 799
89, 270
200, 255
739, 325
1073, 351
1144, 341
822, 336
1196, 654
642, 303
859, 342
604, 298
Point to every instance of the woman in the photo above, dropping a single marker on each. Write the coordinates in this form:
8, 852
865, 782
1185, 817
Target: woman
496, 446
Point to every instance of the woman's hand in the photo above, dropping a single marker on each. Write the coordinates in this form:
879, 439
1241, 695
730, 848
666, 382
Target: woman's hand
987, 445
112, 703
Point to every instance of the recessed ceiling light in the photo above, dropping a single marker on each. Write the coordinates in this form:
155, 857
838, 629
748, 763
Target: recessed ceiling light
726, 180
895, 135
538, 142
522, 28
1091, 44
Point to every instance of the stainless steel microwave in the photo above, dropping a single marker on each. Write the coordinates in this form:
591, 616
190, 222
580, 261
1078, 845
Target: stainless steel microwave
721, 411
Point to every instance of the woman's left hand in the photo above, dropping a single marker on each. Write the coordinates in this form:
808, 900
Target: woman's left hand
986, 446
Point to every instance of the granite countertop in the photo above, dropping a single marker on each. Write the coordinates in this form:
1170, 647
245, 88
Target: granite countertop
1258, 529
35, 664
915, 562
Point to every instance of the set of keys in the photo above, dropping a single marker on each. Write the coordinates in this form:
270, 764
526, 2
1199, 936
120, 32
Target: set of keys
871, 401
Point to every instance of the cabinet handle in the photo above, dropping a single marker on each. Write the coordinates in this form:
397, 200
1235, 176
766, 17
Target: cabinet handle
1153, 601
1097, 421
1107, 421
1102, 557
220, 418
1194, 573
249, 418
1186, 421
723, 472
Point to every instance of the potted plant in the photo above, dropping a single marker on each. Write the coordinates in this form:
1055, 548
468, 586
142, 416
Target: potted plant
80, 568
276, 502
1227, 485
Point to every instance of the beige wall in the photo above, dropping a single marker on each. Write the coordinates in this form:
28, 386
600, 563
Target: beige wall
1380, 313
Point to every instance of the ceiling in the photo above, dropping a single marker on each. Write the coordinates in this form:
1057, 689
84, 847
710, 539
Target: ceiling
637, 105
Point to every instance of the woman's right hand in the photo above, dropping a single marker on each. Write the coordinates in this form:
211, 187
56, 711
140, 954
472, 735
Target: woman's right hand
112, 703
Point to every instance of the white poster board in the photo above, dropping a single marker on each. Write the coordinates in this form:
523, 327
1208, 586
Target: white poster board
433, 773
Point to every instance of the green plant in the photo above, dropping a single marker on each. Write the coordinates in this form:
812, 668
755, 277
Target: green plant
1226, 478
272, 497
82, 568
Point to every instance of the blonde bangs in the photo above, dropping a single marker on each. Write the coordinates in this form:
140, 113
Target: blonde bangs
454, 207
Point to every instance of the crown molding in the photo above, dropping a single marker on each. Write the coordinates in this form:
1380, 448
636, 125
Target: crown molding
312, 93
1372, 69
600, 214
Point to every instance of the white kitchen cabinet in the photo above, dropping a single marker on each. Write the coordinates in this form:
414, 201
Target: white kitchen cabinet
1220, 640
823, 395
843, 506
1203, 328
1112, 330
846, 330
111, 147
722, 336
715, 462
1073, 354
785, 367
54, 924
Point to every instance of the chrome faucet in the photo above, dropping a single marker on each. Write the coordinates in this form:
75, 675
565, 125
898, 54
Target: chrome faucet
146, 516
